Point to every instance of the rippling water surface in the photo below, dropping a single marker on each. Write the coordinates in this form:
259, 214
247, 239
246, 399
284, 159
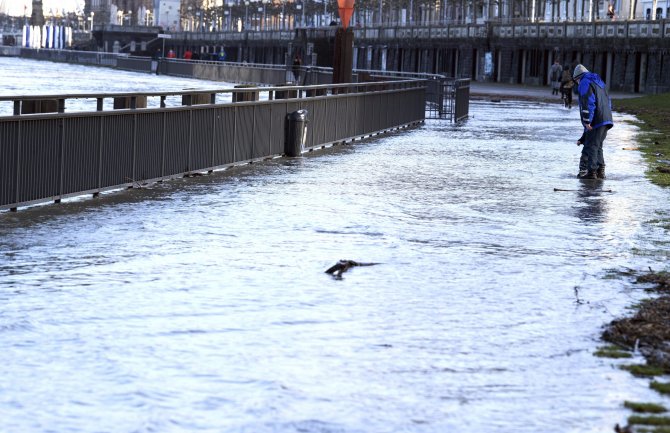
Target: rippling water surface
202, 304
32, 77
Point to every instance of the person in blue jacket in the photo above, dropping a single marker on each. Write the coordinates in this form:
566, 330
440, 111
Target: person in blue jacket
595, 110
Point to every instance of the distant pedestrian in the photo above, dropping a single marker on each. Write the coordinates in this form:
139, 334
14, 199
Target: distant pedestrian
595, 110
188, 55
297, 65
156, 61
171, 54
566, 86
555, 77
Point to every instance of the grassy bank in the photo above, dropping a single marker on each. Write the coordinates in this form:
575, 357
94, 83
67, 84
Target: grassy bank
653, 112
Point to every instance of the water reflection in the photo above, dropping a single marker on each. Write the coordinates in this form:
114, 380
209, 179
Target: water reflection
592, 201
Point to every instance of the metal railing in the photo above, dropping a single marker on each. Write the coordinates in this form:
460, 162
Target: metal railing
597, 29
50, 156
448, 99
440, 94
445, 31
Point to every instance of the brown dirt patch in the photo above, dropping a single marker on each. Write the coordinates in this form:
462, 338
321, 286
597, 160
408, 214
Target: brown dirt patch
649, 328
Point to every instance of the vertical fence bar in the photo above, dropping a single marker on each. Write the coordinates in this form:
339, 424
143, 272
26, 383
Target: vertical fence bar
190, 138
134, 157
101, 127
61, 156
163, 140
18, 162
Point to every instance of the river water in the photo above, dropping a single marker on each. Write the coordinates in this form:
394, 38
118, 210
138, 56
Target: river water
202, 304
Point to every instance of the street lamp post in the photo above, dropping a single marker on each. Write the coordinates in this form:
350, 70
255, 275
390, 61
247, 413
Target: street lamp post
282, 23
302, 20
91, 33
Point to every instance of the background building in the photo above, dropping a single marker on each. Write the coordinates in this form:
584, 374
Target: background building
122, 12
168, 14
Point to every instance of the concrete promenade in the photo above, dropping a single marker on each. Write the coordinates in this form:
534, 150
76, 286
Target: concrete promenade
483, 90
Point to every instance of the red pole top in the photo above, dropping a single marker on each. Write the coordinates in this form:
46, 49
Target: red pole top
346, 10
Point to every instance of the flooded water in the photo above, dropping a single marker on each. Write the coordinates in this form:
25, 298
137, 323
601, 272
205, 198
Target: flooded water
202, 304
19, 77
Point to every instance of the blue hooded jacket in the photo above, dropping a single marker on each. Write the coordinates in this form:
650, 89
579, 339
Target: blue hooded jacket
595, 106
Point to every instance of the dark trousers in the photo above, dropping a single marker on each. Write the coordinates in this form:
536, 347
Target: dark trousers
593, 148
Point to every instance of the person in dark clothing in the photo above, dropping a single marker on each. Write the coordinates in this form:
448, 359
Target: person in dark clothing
566, 86
555, 77
595, 110
297, 65
156, 61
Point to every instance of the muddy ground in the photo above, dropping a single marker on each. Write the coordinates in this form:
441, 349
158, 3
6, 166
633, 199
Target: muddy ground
649, 329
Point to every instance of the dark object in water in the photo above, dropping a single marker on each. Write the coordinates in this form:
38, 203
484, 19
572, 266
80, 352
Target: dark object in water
343, 265
576, 190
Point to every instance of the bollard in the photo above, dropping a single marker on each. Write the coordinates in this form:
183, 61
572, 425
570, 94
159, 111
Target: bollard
126, 102
35, 106
241, 96
196, 99
295, 133
286, 94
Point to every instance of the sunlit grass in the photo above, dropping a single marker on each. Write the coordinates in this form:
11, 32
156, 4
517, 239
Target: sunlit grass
663, 388
612, 352
644, 407
641, 370
654, 112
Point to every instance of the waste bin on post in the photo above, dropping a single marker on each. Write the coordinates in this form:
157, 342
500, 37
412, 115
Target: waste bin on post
295, 133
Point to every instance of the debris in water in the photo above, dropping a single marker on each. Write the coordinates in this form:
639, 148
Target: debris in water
576, 190
343, 265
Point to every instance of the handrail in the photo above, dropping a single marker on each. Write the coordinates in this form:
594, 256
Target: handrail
270, 91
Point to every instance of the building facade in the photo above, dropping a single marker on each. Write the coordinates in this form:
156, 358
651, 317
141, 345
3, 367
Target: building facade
168, 14
121, 12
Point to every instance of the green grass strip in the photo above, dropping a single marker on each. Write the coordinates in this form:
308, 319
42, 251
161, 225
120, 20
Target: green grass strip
612, 352
649, 420
663, 388
643, 370
654, 111
644, 407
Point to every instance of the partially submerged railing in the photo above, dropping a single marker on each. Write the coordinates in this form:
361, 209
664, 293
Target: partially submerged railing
448, 99
51, 148
441, 97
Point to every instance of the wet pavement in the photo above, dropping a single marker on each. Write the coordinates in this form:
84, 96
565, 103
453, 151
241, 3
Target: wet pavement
203, 304
489, 90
